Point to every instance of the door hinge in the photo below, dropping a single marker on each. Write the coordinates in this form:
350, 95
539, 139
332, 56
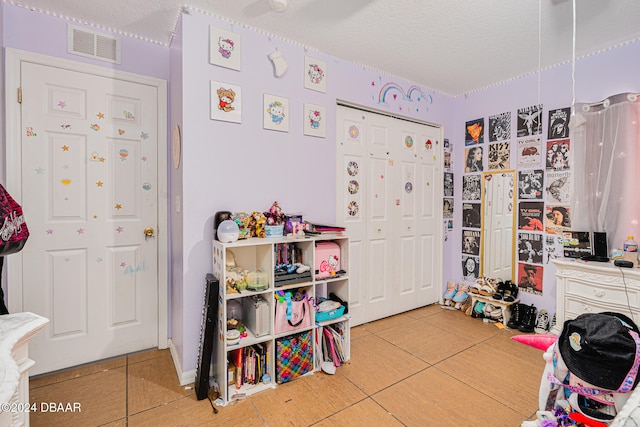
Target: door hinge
20, 95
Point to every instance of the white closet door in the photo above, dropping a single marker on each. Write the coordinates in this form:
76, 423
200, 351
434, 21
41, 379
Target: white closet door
389, 187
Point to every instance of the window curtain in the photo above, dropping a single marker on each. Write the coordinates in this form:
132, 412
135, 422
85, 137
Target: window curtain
606, 148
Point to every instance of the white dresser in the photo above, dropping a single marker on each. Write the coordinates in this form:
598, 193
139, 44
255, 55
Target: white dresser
594, 287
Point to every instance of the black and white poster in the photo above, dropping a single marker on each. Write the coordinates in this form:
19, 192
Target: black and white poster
447, 161
553, 247
559, 123
529, 121
530, 153
471, 242
470, 267
500, 127
499, 155
447, 207
530, 184
558, 186
448, 184
530, 216
474, 132
558, 155
471, 187
530, 247
471, 215
473, 159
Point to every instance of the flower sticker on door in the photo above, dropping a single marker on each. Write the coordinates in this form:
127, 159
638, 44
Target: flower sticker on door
353, 187
314, 120
353, 168
225, 48
353, 209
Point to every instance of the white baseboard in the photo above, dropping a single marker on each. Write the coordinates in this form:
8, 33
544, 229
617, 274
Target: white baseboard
188, 377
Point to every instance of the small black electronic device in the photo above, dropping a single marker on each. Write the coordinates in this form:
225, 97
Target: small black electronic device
596, 258
623, 263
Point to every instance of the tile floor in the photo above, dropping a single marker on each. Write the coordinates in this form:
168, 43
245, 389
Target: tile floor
426, 367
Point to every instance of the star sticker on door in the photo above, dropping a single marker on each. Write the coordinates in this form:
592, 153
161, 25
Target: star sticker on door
99, 183
65, 148
100, 115
118, 206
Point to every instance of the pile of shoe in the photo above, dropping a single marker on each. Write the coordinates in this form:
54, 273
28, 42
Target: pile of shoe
523, 317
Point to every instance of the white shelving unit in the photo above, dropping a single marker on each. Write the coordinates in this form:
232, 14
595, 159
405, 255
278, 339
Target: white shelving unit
259, 254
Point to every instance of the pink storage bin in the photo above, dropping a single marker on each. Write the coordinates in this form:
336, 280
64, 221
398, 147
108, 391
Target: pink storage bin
327, 259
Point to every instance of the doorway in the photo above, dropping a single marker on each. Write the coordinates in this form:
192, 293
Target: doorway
87, 161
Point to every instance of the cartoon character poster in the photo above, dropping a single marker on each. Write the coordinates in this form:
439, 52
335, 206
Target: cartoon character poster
530, 216
529, 121
226, 102
474, 132
315, 74
275, 113
315, 120
225, 48
500, 127
530, 278
559, 123
530, 184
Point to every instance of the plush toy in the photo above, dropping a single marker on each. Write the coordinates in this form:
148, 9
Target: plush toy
258, 221
275, 215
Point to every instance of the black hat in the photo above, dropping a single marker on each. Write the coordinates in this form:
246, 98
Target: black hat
601, 349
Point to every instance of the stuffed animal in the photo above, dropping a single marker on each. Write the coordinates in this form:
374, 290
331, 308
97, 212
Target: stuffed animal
258, 221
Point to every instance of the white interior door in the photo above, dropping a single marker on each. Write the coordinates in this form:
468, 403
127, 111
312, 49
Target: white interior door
90, 189
389, 186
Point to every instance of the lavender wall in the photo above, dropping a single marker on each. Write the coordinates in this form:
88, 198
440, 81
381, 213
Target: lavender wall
597, 77
243, 167
51, 39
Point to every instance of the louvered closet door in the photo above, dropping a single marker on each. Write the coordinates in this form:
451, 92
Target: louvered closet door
389, 189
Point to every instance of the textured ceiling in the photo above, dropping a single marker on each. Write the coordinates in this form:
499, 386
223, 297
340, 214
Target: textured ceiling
451, 46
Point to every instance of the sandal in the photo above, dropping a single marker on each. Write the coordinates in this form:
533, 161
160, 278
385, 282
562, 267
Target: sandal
475, 287
489, 288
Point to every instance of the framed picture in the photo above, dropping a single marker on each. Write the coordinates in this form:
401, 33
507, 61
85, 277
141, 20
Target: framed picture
225, 48
315, 74
315, 120
226, 102
276, 113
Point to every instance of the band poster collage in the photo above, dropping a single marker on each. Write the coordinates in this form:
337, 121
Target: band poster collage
543, 171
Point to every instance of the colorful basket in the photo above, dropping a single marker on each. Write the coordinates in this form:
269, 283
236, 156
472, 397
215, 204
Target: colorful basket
294, 356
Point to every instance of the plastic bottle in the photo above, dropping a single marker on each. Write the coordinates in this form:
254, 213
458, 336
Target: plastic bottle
630, 245
631, 250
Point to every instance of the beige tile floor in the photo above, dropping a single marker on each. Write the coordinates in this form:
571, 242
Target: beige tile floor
426, 367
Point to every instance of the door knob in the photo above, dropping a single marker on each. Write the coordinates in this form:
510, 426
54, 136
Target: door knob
148, 232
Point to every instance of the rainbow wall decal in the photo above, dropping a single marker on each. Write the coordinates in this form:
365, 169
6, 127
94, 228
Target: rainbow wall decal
408, 96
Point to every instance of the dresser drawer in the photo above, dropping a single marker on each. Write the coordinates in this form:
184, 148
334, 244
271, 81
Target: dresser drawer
575, 306
598, 293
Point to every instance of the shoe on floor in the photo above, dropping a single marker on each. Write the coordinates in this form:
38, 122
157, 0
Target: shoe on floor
528, 319
542, 322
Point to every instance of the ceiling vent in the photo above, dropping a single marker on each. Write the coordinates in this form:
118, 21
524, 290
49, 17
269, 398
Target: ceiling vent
84, 42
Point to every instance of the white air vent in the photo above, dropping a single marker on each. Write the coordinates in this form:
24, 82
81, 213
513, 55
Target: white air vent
84, 42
